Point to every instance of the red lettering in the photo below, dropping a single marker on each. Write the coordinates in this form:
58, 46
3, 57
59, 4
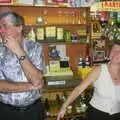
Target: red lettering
119, 4
114, 4
106, 4
110, 4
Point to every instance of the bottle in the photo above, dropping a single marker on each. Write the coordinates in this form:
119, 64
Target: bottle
80, 64
118, 19
112, 18
64, 97
58, 104
87, 61
87, 64
83, 63
58, 100
67, 35
47, 107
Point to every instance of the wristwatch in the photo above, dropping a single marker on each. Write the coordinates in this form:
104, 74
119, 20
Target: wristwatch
21, 58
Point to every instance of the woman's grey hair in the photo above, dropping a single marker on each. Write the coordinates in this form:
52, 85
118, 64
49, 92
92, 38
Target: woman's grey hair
15, 18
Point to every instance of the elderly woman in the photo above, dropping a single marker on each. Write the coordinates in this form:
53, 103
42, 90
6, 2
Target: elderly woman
105, 102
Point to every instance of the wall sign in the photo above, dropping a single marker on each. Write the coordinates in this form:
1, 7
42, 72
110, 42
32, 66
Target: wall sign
106, 6
113, 6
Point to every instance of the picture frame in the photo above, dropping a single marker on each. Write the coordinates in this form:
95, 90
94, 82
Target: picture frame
98, 56
96, 28
99, 43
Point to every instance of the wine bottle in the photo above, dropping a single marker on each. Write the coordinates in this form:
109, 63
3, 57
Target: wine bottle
47, 107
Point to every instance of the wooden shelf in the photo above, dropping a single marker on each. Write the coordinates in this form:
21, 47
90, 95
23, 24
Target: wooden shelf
57, 90
81, 115
51, 14
57, 24
44, 42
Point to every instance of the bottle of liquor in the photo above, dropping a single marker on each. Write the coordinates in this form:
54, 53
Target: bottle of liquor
87, 61
47, 107
112, 18
118, 19
58, 103
80, 65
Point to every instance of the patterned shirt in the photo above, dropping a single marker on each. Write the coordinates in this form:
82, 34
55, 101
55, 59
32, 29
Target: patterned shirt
10, 69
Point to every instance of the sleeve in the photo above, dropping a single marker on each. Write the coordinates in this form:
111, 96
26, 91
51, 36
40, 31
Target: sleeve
39, 61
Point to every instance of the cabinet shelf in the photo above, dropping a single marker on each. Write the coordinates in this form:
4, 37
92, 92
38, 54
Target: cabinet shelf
61, 42
61, 25
82, 115
50, 90
99, 49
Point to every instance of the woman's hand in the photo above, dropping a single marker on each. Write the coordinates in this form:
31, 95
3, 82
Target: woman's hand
61, 113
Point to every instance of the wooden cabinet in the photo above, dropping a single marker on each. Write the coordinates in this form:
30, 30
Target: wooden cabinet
74, 20
56, 92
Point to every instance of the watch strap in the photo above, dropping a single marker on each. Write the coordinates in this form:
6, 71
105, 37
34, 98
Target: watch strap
21, 58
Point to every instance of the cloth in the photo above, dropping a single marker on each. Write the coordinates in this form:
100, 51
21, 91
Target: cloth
32, 112
11, 70
95, 114
106, 96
